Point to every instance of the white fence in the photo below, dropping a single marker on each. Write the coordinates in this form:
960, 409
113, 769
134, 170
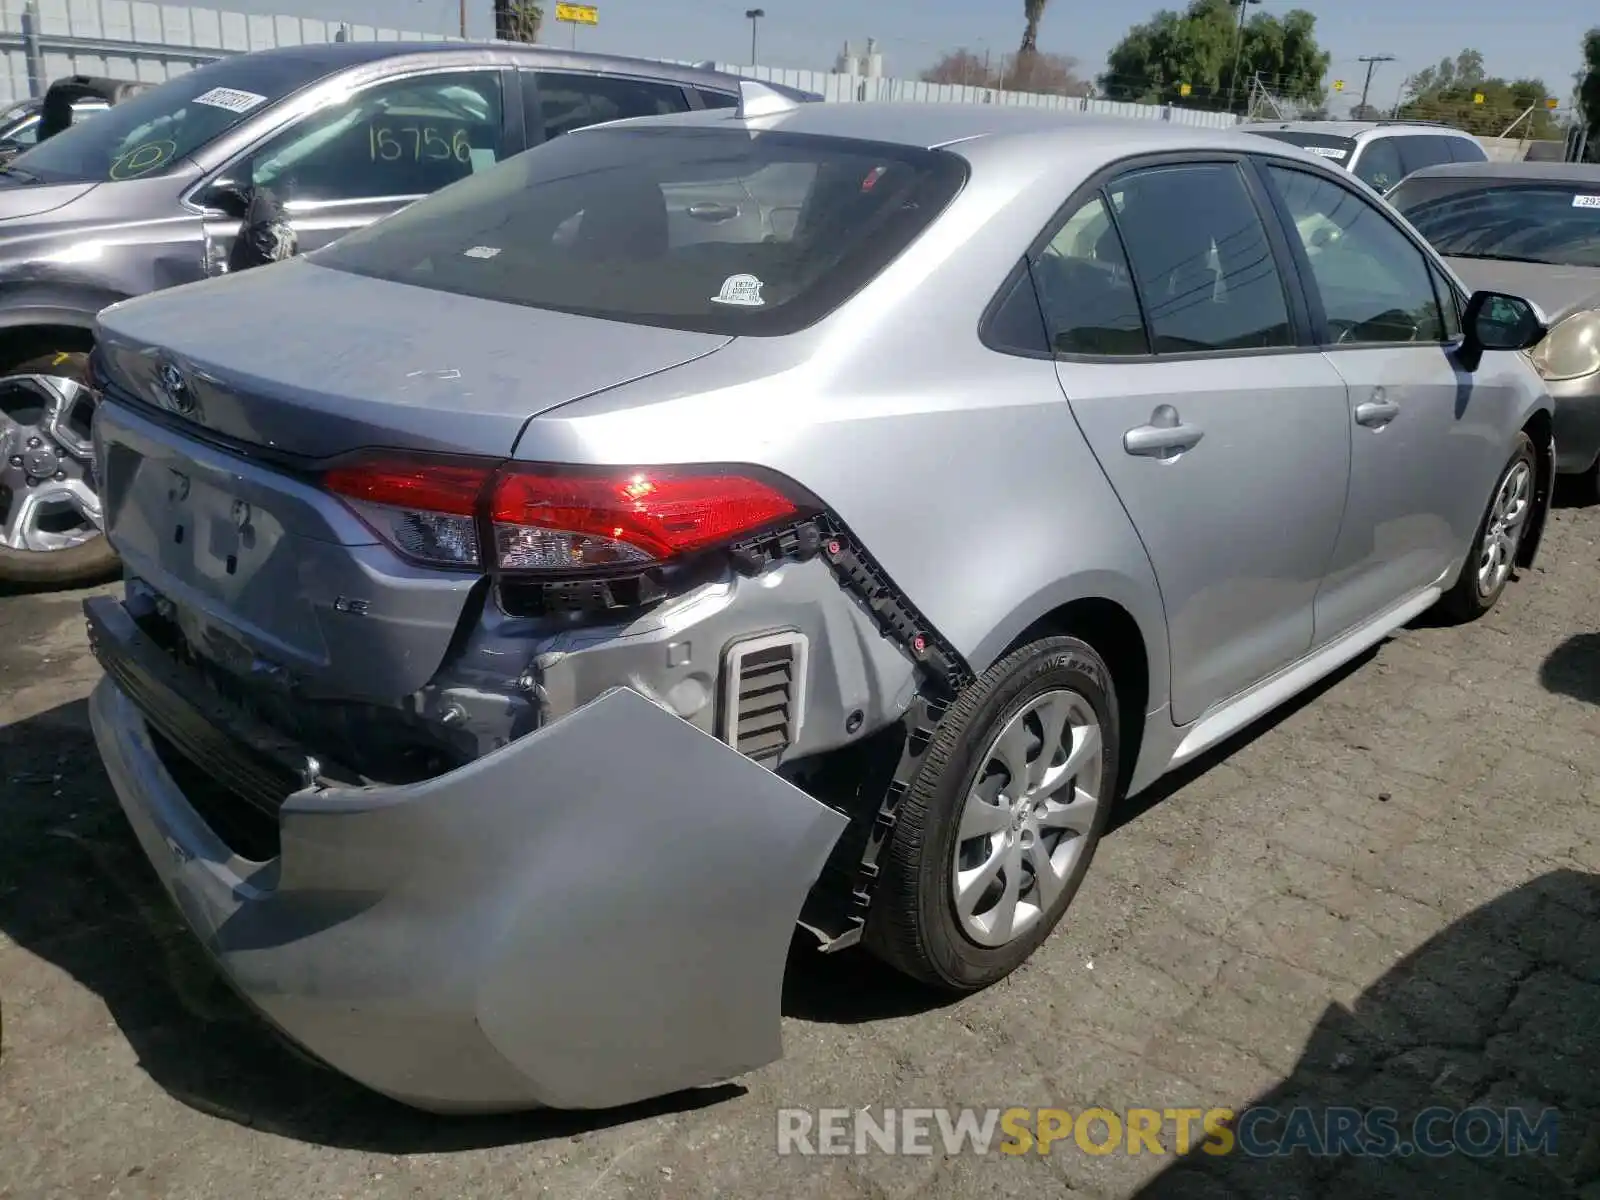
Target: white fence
43, 40
844, 88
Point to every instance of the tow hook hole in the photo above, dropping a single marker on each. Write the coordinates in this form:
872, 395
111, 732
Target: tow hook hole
232, 564
177, 535
852, 723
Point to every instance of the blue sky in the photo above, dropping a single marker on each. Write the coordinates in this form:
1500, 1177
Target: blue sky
1541, 40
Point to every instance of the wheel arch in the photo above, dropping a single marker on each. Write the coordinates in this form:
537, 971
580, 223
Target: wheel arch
1540, 428
1117, 638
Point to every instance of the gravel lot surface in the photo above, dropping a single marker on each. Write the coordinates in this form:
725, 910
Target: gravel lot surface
1388, 894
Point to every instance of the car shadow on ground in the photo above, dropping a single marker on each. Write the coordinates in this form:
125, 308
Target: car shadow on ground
1499, 1012
1573, 668
81, 895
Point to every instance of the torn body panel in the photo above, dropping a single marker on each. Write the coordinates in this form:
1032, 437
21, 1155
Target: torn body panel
472, 942
515, 673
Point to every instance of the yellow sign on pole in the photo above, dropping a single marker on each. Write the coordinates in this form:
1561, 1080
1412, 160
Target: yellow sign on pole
1477, 97
578, 14
1552, 104
1338, 85
1184, 89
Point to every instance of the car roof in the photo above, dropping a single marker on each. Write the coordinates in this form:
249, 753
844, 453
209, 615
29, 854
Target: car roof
932, 126
1352, 129
1515, 172
336, 56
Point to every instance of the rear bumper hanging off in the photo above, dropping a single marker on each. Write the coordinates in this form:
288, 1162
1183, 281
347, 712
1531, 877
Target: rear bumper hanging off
597, 913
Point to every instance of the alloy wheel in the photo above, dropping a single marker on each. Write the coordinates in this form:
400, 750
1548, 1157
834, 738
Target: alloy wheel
48, 492
1028, 817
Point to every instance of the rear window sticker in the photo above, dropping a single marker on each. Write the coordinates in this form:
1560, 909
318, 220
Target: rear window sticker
744, 291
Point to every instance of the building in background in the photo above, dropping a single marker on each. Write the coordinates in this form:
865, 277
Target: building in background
868, 64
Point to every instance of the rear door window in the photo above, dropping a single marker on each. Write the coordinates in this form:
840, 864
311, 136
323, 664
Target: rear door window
1378, 165
561, 102
1205, 270
1467, 149
1423, 150
406, 137
717, 99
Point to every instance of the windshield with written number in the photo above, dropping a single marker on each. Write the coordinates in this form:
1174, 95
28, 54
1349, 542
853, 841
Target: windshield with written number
146, 134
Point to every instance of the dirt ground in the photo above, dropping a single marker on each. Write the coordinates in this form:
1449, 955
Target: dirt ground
1386, 895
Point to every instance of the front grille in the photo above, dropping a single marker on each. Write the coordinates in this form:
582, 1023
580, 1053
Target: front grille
764, 695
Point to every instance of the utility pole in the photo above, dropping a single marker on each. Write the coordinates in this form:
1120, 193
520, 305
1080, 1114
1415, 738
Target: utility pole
753, 15
1372, 60
1238, 47
463, 18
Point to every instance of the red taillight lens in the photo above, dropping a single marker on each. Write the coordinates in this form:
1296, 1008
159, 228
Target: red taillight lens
548, 519
427, 511
563, 521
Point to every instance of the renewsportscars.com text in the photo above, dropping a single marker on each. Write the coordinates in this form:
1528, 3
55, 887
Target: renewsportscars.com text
1257, 1132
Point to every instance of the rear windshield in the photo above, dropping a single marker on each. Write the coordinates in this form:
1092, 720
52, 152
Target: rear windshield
716, 230
1323, 145
1550, 223
148, 132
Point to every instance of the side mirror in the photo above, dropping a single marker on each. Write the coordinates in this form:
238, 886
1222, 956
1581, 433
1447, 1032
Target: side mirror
229, 198
1496, 321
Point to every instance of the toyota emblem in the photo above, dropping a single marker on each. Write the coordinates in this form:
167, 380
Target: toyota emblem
174, 388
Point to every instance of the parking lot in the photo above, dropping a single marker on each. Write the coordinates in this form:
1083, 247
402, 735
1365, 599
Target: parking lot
1385, 895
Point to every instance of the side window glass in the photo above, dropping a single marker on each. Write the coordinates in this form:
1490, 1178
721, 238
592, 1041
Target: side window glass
1016, 323
408, 137
27, 135
1086, 288
1376, 286
571, 101
717, 99
1204, 268
1378, 165
1467, 149
1422, 150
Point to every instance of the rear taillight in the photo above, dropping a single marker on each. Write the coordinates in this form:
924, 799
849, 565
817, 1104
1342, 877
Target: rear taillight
564, 521
557, 519
426, 511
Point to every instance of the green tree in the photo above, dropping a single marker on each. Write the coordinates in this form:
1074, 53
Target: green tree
1449, 91
1589, 90
1200, 46
518, 20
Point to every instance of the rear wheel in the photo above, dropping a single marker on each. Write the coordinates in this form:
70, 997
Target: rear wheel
998, 828
50, 519
1494, 551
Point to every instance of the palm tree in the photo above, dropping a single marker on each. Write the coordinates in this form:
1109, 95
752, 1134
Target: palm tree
1034, 11
526, 21
517, 20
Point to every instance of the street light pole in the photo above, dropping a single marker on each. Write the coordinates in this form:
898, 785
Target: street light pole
1238, 47
1372, 60
753, 15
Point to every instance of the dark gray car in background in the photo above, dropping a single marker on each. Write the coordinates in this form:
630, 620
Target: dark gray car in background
1533, 229
144, 198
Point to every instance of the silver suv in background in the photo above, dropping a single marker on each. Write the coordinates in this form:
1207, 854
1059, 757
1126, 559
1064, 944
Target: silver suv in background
1379, 153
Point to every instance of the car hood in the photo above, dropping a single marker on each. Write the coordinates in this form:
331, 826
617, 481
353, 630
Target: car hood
19, 199
315, 362
1558, 291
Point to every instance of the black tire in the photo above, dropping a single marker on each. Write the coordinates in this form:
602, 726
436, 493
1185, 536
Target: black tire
92, 562
1467, 600
913, 925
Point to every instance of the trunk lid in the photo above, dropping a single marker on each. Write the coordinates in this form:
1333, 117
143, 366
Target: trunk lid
314, 362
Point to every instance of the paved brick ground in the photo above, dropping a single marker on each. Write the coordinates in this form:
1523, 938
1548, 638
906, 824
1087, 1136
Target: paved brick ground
1389, 895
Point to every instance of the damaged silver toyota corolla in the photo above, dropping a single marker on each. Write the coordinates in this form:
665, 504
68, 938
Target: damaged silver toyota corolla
543, 600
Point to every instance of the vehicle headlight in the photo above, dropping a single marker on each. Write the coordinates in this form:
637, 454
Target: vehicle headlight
1571, 350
